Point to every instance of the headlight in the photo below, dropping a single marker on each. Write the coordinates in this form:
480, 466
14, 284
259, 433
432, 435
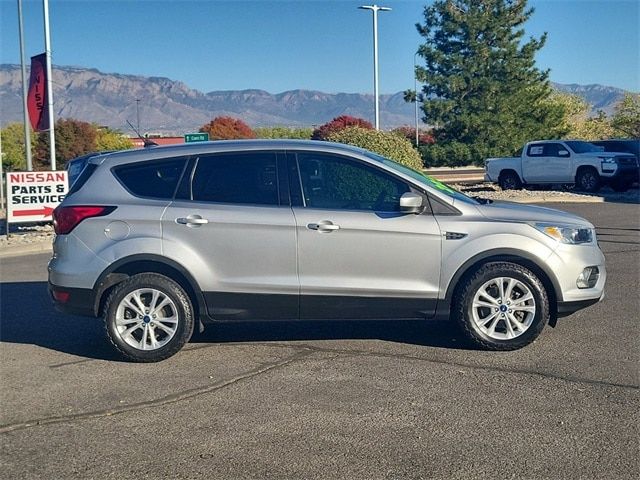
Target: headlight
608, 159
567, 234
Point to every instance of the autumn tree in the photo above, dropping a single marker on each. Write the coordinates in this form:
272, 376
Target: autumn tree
481, 88
73, 138
14, 155
424, 136
339, 123
626, 119
227, 128
577, 121
107, 139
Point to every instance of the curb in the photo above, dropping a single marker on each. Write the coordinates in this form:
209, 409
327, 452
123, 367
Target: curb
18, 250
542, 199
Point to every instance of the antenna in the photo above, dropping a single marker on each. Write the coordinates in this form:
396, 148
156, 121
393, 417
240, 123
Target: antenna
146, 141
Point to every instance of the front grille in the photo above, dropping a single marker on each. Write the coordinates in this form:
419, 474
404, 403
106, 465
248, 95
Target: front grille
627, 160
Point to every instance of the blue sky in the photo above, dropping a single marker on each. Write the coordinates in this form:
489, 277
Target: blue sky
310, 44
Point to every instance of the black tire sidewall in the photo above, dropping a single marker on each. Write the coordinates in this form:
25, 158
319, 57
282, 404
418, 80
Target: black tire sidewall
581, 177
490, 271
172, 290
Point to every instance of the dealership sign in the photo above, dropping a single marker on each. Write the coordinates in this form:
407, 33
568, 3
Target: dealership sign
32, 196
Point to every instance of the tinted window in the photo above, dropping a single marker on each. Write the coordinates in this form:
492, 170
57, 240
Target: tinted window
246, 177
154, 179
535, 151
579, 146
77, 184
553, 149
330, 181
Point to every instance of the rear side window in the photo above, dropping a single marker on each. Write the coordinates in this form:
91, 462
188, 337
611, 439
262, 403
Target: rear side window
535, 151
239, 178
77, 184
154, 179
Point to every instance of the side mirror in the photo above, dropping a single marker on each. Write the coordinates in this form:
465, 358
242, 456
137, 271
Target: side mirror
411, 203
563, 153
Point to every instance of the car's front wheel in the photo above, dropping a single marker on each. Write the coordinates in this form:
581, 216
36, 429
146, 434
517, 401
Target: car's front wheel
148, 317
501, 306
588, 180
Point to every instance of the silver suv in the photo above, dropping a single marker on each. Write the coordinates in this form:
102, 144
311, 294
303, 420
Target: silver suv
158, 241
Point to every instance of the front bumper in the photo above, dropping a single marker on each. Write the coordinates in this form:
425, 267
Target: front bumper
624, 174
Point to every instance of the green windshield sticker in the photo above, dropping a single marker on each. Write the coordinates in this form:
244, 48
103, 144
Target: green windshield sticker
439, 185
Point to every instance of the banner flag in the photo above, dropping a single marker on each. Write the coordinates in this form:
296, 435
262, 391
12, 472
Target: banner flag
37, 97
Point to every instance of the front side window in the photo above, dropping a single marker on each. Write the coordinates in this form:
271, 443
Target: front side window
240, 178
553, 150
338, 183
152, 179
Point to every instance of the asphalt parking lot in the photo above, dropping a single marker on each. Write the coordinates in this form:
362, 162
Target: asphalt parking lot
327, 400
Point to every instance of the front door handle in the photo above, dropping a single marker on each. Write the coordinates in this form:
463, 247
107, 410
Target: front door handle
324, 226
192, 221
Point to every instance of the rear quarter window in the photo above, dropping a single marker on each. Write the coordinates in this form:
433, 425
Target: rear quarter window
151, 179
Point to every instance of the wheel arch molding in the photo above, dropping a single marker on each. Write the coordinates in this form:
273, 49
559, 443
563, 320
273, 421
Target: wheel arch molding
131, 265
519, 257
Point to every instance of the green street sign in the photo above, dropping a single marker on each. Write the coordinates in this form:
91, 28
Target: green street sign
196, 137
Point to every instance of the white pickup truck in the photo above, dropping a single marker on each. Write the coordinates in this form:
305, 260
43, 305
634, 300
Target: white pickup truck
564, 162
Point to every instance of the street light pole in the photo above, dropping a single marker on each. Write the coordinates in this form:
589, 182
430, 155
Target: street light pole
47, 49
375, 9
415, 89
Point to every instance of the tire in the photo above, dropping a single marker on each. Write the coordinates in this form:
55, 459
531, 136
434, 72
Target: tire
620, 186
505, 323
509, 181
588, 180
140, 334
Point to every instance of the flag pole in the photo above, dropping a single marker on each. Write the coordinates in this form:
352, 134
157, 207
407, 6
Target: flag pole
27, 128
47, 49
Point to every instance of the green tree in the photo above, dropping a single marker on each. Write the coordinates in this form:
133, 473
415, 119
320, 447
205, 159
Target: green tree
481, 88
626, 119
73, 138
107, 139
14, 156
284, 132
387, 144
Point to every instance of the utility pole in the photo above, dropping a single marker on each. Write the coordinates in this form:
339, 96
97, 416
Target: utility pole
138, 114
375, 9
415, 89
47, 50
27, 128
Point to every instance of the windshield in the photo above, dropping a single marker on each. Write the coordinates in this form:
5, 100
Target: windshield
421, 177
583, 147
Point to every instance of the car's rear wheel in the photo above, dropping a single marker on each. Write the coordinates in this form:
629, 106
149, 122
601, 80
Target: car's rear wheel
509, 181
501, 306
148, 317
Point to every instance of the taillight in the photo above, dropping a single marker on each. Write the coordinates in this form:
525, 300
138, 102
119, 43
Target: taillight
66, 219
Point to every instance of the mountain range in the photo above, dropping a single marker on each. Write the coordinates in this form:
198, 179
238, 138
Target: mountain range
171, 107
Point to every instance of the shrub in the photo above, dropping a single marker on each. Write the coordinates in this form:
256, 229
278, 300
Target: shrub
452, 154
386, 144
284, 132
424, 137
339, 123
227, 128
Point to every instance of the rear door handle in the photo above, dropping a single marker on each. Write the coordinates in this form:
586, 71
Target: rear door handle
324, 226
192, 221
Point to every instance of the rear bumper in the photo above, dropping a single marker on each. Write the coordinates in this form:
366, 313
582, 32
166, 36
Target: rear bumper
74, 301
